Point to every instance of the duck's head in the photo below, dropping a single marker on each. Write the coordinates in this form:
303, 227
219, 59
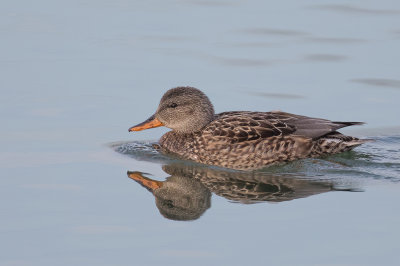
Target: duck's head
183, 109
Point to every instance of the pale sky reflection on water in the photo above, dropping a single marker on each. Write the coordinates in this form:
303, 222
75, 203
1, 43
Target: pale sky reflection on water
75, 75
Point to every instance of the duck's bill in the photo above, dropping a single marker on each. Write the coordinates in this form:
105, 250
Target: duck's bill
148, 183
149, 123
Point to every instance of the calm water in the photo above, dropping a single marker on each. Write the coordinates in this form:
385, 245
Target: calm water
75, 75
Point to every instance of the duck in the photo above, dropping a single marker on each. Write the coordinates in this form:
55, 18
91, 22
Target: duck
241, 140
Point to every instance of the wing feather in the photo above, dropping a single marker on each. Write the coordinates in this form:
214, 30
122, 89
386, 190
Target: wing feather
311, 127
241, 126
234, 127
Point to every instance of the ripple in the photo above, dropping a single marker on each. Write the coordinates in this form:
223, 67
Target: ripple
356, 9
379, 159
276, 95
276, 32
244, 62
336, 40
209, 3
324, 58
141, 151
393, 83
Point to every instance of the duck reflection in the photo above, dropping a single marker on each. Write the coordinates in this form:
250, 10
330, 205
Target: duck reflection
179, 197
186, 194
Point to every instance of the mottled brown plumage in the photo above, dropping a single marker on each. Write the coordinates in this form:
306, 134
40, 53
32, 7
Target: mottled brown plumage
242, 140
250, 187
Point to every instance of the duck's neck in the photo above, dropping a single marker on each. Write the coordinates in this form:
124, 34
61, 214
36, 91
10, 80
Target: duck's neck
177, 142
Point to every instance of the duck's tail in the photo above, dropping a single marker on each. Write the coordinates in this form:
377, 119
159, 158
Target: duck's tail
336, 143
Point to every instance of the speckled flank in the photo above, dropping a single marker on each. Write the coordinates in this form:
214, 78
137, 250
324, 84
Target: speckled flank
251, 140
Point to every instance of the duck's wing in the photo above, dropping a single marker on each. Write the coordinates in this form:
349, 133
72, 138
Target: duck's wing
242, 126
310, 127
235, 127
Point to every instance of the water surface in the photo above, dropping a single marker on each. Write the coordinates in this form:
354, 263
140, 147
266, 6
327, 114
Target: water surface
77, 74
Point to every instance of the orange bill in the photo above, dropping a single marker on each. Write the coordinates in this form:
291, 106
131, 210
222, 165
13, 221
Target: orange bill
149, 123
148, 183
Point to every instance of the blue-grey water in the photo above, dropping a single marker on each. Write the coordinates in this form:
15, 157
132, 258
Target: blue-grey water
75, 75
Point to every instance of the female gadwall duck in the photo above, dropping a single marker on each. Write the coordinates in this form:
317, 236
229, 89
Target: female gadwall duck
241, 140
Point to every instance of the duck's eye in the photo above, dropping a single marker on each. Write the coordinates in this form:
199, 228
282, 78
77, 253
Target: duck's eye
172, 105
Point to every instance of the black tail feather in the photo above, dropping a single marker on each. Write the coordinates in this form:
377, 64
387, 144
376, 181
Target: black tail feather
346, 124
